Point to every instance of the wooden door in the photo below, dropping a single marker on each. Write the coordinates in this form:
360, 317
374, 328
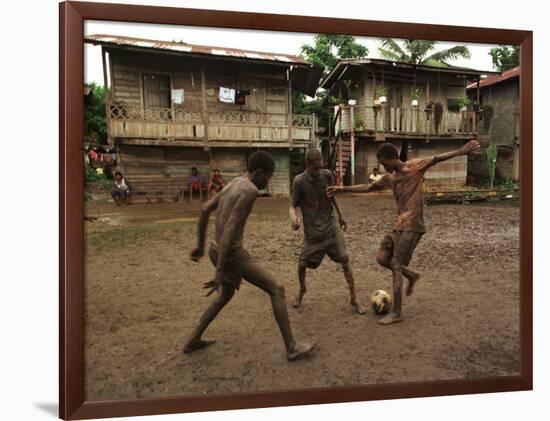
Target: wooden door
156, 91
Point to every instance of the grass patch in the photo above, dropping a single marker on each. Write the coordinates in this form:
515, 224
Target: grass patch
109, 241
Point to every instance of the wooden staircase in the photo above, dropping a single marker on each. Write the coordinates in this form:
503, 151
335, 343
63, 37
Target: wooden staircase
339, 159
343, 147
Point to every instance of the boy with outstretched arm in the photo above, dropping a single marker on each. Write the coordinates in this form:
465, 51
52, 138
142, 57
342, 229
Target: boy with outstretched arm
405, 179
233, 205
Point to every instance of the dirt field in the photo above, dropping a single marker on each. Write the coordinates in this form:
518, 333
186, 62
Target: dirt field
144, 295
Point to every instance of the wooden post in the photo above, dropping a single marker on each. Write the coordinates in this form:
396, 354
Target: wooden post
312, 135
338, 137
289, 96
112, 77
398, 119
204, 108
105, 96
427, 125
352, 145
340, 164
478, 106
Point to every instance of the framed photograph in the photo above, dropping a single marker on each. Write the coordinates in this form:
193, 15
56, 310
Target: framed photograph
267, 210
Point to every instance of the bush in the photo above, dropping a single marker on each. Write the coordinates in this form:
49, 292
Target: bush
92, 176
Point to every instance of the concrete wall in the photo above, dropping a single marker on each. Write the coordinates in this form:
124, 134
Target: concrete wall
503, 130
504, 98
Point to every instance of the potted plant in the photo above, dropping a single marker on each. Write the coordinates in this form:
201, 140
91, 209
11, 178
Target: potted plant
338, 101
415, 94
352, 89
359, 124
463, 103
382, 93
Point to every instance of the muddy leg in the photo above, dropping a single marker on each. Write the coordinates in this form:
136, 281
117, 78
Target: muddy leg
348, 273
258, 276
195, 342
384, 259
412, 277
395, 314
302, 279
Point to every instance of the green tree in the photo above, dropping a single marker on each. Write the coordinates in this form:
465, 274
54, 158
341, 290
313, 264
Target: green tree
416, 51
505, 57
325, 52
95, 124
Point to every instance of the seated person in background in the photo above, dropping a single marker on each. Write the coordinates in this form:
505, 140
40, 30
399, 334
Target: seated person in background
375, 176
216, 182
121, 191
194, 183
93, 157
106, 159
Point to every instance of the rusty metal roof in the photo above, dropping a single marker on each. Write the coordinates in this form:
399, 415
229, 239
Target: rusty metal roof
493, 80
343, 65
184, 48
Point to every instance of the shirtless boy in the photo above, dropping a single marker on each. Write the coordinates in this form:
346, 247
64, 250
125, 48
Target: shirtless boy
396, 249
233, 205
322, 234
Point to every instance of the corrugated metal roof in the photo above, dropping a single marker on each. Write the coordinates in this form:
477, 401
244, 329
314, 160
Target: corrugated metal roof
493, 80
336, 73
181, 47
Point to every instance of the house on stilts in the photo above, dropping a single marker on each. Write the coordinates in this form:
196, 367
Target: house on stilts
171, 106
421, 109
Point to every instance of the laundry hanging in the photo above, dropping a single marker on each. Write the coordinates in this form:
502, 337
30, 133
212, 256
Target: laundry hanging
177, 96
227, 95
240, 97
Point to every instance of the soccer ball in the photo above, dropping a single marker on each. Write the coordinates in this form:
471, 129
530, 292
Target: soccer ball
381, 301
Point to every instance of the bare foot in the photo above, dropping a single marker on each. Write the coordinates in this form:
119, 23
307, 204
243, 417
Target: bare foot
195, 345
358, 307
297, 300
301, 350
390, 319
412, 280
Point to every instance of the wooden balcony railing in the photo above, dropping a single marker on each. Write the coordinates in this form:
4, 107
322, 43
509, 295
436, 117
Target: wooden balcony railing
412, 120
136, 121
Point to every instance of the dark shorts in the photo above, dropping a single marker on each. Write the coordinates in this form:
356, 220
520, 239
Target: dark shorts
234, 265
313, 252
119, 193
402, 245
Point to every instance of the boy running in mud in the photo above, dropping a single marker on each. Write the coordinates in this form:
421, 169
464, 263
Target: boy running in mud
396, 249
322, 234
233, 205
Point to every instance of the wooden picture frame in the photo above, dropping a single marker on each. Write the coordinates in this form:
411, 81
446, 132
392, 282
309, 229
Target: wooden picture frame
71, 291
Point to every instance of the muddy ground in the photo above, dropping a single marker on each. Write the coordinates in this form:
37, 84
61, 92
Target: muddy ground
144, 295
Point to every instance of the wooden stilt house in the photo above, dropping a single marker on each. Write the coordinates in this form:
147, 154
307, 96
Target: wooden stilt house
417, 107
172, 106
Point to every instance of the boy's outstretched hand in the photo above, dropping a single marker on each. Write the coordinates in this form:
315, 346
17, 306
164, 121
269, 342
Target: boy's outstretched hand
331, 191
470, 147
